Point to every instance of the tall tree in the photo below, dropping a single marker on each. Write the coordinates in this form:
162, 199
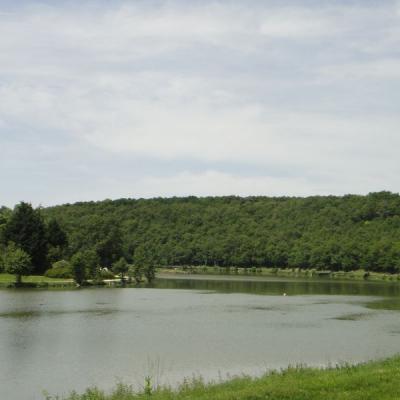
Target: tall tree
121, 267
55, 234
109, 248
79, 269
5, 214
92, 261
57, 241
27, 230
17, 262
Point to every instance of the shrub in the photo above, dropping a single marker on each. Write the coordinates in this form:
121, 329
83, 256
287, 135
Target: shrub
61, 264
60, 269
106, 274
59, 272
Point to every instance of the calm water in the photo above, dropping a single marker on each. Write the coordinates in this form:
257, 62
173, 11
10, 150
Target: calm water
213, 326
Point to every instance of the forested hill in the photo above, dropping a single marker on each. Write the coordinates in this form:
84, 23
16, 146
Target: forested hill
329, 232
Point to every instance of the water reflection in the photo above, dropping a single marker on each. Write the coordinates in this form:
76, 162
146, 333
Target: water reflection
277, 286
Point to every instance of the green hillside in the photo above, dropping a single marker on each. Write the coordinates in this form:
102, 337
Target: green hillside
326, 232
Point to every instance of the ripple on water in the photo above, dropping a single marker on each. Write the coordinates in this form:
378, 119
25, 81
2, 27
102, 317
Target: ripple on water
353, 317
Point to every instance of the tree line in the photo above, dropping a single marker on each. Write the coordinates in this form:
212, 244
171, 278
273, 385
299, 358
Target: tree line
323, 232
30, 244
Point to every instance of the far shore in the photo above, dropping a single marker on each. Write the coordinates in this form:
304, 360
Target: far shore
40, 281
359, 275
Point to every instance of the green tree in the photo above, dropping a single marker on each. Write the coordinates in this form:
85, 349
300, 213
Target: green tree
57, 241
135, 272
92, 262
2, 252
27, 230
5, 214
121, 267
339, 233
150, 272
17, 262
109, 248
79, 268
56, 235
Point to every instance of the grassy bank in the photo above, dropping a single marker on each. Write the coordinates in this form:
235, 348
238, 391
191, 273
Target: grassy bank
378, 380
359, 274
41, 281
35, 281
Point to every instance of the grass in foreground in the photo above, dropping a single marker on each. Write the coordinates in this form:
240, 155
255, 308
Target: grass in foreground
378, 380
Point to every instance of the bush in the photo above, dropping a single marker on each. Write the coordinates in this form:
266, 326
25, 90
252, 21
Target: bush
60, 269
64, 273
106, 274
61, 264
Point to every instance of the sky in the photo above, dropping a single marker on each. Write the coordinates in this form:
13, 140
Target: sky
129, 99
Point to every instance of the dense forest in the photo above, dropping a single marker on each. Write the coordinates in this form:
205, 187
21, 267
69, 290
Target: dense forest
324, 232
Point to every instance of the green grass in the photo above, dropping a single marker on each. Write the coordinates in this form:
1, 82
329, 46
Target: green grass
9, 279
378, 380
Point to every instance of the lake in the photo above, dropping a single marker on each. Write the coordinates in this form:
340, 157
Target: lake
184, 326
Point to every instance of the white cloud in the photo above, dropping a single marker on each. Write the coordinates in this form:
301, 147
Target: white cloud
246, 134
224, 184
220, 184
298, 23
211, 83
382, 69
202, 126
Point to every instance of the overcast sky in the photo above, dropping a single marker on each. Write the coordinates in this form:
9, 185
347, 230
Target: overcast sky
111, 99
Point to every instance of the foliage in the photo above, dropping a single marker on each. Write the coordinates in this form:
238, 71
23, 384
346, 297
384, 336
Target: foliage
63, 273
121, 267
57, 241
5, 214
92, 261
55, 235
145, 263
336, 233
79, 268
136, 272
60, 269
2, 251
16, 261
61, 264
150, 273
106, 274
26, 228
109, 245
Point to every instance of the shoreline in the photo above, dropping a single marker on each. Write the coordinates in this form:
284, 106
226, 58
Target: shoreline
7, 281
309, 274
366, 381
